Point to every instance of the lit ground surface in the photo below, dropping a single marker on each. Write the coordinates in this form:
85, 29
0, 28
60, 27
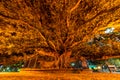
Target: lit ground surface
35, 75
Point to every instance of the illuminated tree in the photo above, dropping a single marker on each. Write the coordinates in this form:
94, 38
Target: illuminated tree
56, 26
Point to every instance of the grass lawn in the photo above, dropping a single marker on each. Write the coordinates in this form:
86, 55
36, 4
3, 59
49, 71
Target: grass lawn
34, 75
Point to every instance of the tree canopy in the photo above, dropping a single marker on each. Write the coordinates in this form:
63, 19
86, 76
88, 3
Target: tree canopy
57, 26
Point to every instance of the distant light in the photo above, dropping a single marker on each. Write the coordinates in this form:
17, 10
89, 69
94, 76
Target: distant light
8, 68
18, 70
99, 67
22, 65
109, 30
112, 28
72, 64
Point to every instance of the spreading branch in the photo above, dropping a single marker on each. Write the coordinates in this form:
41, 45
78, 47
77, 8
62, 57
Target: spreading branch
73, 8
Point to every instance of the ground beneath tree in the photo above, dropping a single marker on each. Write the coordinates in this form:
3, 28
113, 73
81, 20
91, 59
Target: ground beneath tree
44, 75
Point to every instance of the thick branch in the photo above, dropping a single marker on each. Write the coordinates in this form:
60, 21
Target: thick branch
67, 21
96, 15
75, 43
53, 45
73, 8
102, 12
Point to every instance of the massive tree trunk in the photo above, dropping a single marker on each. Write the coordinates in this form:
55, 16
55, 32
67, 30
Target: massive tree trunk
63, 60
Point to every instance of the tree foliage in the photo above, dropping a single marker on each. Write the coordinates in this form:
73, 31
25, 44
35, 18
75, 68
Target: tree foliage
58, 26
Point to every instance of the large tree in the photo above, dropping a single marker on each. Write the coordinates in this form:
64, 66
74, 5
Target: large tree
57, 26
